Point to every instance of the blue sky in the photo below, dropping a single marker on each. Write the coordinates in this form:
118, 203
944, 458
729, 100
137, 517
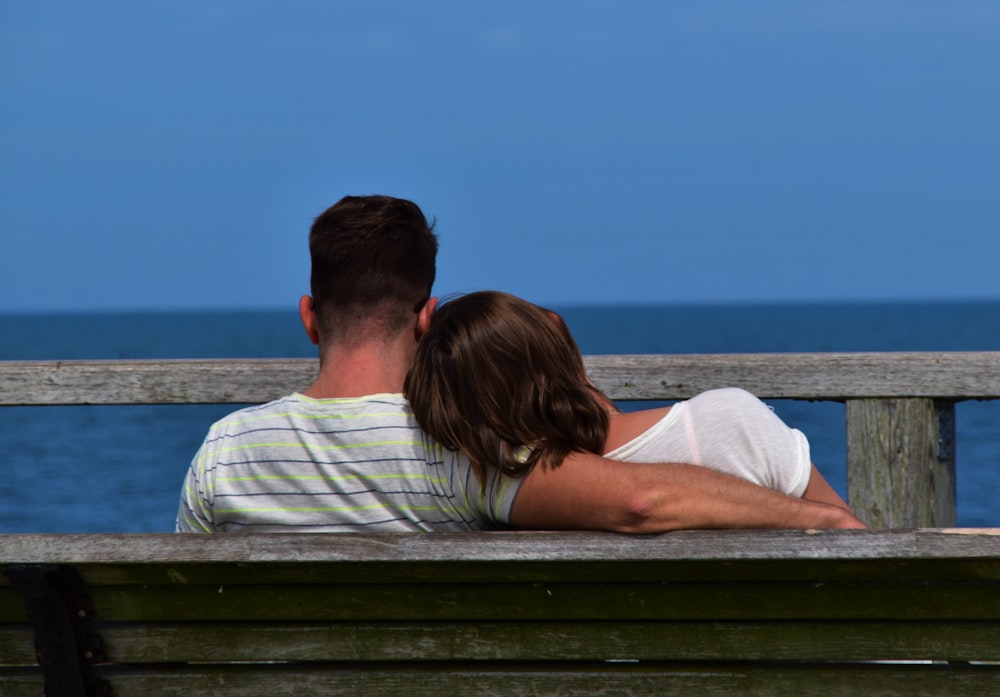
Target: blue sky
172, 154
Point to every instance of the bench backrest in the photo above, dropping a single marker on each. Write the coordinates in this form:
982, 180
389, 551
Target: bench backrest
689, 613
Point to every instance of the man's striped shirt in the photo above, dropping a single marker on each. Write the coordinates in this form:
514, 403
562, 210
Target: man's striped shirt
335, 465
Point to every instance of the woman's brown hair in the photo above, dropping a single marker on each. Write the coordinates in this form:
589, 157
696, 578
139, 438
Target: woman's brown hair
502, 380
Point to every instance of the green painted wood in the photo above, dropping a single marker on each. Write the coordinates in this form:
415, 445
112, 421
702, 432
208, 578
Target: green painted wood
17, 645
704, 612
19, 682
540, 601
562, 679
553, 641
11, 605
503, 641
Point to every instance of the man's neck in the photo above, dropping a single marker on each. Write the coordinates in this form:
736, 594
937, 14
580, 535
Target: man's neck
361, 370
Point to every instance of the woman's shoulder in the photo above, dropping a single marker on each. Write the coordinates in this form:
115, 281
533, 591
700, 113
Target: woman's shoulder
729, 405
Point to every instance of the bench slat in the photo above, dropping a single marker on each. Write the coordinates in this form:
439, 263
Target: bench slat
548, 641
541, 601
539, 680
556, 680
503, 547
513, 641
703, 612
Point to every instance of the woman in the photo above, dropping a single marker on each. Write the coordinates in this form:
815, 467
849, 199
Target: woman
503, 381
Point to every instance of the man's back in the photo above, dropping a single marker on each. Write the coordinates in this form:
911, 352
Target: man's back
334, 465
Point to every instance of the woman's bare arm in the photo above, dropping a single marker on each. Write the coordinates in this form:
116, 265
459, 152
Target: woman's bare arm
593, 493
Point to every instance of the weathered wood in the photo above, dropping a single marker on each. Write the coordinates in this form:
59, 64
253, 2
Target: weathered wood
813, 376
561, 679
693, 612
17, 641
501, 548
552, 641
901, 462
152, 382
831, 376
544, 680
482, 602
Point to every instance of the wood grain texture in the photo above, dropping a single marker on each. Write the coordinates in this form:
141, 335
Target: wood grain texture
818, 376
545, 679
152, 382
898, 473
692, 612
879, 598
721, 640
504, 547
780, 612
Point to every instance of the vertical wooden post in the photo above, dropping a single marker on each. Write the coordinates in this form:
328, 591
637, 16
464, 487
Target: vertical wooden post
901, 462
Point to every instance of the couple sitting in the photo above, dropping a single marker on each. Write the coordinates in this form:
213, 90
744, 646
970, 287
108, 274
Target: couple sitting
505, 430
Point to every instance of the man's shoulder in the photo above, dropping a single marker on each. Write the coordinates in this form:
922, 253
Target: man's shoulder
298, 405
256, 412
276, 404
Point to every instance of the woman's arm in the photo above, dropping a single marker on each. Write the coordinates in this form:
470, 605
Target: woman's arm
593, 493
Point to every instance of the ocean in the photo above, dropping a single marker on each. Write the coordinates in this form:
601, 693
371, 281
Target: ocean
119, 468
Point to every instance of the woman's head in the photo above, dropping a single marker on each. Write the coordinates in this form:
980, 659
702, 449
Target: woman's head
495, 374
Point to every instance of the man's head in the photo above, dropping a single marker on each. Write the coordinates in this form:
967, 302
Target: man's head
373, 265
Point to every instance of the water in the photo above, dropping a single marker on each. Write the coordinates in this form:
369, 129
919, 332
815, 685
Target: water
119, 468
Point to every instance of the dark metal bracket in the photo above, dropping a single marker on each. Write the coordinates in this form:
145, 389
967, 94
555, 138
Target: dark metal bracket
60, 609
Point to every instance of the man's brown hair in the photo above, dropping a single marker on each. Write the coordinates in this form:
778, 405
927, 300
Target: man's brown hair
373, 257
501, 380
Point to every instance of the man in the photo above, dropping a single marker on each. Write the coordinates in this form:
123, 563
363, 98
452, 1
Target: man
347, 454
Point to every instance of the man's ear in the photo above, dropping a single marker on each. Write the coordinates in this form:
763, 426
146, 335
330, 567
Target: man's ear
424, 317
307, 313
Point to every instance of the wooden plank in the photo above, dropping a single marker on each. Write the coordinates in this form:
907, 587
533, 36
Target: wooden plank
17, 645
558, 679
548, 601
552, 641
152, 382
353, 572
964, 542
714, 641
225, 574
21, 682
831, 376
513, 546
900, 472
11, 603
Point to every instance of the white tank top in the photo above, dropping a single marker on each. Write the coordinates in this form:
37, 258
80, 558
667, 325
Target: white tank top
731, 431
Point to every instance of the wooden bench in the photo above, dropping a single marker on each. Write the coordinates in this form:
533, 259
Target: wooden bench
689, 613
890, 611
